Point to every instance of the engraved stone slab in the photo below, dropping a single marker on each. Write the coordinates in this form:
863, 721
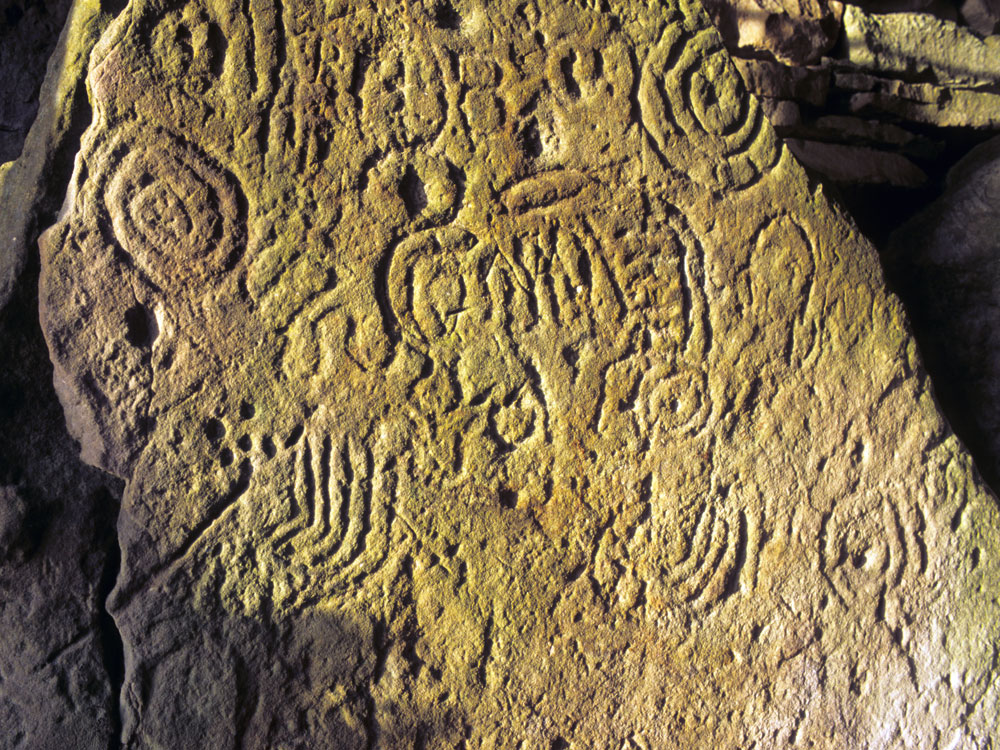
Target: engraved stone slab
488, 374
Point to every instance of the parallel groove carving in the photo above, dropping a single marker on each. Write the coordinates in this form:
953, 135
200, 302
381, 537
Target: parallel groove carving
337, 507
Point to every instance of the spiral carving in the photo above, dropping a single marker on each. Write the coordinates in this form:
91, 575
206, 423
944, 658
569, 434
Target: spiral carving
179, 216
689, 85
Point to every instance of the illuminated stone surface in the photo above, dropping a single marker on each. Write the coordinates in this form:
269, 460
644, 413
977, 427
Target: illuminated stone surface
489, 375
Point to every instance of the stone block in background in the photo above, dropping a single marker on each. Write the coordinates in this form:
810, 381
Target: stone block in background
861, 130
896, 6
782, 113
918, 45
982, 16
807, 84
944, 108
857, 164
919, 102
795, 32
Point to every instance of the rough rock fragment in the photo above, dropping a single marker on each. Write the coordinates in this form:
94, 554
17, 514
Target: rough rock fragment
796, 32
13, 514
857, 164
30, 191
932, 105
919, 44
808, 84
945, 260
982, 16
781, 113
489, 374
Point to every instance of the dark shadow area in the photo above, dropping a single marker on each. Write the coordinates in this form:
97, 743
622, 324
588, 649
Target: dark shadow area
61, 653
951, 311
29, 30
879, 210
331, 678
944, 265
954, 315
112, 648
59, 649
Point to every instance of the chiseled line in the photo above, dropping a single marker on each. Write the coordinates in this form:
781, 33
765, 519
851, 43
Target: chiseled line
214, 518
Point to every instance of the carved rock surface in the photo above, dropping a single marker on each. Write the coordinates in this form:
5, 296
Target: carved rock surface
487, 374
32, 185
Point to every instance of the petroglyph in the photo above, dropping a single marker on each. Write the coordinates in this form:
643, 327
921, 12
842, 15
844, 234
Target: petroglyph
179, 218
487, 373
687, 89
333, 503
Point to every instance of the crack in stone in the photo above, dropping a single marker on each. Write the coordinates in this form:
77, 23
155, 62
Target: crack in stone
112, 644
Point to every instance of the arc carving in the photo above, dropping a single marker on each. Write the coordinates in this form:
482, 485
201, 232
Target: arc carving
870, 548
336, 505
482, 373
694, 549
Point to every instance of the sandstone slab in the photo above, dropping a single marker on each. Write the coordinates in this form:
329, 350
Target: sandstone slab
857, 164
932, 105
488, 374
58, 558
872, 131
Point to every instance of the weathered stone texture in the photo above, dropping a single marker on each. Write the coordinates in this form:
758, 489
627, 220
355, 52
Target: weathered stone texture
983, 16
856, 164
488, 374
917, 44
791, 31
31, 187
58, 665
